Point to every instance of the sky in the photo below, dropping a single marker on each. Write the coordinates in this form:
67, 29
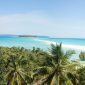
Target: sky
55, 18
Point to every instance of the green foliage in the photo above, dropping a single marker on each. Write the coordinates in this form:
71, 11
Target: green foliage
61, 73
82, 56
81, 74
20, 66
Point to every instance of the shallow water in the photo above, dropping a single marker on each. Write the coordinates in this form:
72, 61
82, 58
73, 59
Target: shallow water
72, 41
26, 42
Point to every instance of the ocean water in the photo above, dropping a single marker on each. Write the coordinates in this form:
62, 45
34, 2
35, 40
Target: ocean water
71, 41
26, 42
30, 42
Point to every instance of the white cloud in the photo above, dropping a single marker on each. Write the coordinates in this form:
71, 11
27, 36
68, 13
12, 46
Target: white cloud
21, 18
30, 23
38, 23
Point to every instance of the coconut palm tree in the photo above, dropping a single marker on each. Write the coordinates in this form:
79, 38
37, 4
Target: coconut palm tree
63, 71
81, 77
82, 56
15, 74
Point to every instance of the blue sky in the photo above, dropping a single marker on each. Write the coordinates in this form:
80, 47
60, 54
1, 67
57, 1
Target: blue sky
56, 18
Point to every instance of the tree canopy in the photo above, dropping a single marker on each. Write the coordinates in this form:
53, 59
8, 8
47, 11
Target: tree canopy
20, 66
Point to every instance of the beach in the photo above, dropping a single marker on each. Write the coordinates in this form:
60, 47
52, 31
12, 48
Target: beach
75, 47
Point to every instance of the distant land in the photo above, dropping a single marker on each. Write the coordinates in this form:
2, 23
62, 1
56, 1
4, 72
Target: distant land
11, 35
31, 36
42, 36
27, 35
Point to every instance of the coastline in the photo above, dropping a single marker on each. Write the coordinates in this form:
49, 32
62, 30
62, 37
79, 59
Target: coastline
75, 47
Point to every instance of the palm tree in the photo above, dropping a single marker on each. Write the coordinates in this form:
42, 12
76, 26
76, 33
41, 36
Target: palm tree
81, 77
15, 74
63, 72
82, 56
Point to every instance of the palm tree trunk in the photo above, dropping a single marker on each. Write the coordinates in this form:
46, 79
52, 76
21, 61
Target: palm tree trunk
58, 78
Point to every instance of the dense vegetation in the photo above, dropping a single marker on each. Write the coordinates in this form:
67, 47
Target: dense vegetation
82, 56
20, 66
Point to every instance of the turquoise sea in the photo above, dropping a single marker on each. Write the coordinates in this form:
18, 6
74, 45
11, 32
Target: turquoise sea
29, 42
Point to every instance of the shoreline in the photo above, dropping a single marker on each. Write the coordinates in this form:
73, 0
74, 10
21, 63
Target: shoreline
75, 47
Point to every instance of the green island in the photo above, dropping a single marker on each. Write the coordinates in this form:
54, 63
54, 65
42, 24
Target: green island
27, 35
20, 66
31, 36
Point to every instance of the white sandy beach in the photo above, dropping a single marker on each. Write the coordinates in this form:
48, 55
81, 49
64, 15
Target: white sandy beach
77, 47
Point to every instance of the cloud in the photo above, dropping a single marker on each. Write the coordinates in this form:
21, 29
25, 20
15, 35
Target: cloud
30, 23
25, 18
41, 24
